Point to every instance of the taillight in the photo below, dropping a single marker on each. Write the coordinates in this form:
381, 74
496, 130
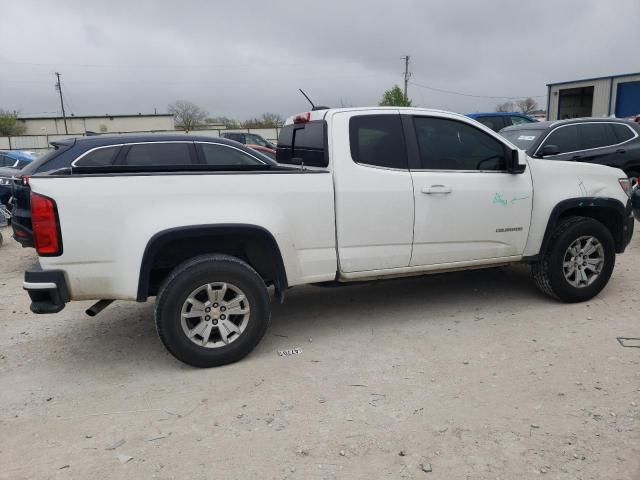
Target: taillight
46, 228
302, 118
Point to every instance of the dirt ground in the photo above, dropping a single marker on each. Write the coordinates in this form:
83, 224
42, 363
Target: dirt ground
472, 375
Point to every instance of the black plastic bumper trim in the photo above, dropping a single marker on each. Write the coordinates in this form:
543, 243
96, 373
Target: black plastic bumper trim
47, 289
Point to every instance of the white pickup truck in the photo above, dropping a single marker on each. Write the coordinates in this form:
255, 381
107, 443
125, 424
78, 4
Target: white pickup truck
207, 226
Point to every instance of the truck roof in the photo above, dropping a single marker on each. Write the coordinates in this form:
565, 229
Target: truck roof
312, 115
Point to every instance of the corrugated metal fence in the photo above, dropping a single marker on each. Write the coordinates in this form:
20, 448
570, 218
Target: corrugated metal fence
41, 143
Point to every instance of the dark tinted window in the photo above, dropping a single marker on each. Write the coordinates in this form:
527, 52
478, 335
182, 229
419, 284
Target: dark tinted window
594, 135
6, 161
99, 158
623, 133
22, 163
238, 137
565, 138
152, 154
378, 140
494, 123
222, 156
451, 145
516, 120
302, 143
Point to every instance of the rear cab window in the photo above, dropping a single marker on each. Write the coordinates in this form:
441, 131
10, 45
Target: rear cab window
303, 144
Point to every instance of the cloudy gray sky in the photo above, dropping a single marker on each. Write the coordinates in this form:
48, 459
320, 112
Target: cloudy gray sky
242, 58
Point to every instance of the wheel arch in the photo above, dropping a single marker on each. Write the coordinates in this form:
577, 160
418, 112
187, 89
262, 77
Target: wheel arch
608, 211
252, 243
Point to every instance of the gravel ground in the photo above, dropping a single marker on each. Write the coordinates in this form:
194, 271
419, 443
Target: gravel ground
470, 375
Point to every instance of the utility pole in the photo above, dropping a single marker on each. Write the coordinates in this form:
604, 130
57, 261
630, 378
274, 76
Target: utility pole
64, 115
407, 76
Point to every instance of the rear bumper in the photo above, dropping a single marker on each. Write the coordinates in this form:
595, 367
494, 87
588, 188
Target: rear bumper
47, 289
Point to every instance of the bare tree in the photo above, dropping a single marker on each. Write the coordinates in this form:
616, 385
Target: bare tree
527, 105
505, 107
187, 115
267, 120
9, 123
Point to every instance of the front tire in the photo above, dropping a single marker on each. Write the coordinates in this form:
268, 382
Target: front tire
578, 262
212, 310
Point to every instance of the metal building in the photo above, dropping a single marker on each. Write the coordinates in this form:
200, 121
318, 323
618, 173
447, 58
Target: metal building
78, 125
615, 95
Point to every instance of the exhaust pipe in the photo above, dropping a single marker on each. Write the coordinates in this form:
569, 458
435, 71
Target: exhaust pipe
98, 307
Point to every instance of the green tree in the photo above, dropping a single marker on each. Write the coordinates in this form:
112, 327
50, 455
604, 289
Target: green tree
9, 124
394, 98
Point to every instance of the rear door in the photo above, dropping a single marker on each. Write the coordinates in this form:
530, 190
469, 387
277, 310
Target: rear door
373, 190
597, 142
467, 206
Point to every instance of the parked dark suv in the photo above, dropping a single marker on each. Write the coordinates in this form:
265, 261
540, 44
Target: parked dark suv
108, 154
496, 121
607, 141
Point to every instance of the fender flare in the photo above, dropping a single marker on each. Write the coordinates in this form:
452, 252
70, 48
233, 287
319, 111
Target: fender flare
615, 207
255, 233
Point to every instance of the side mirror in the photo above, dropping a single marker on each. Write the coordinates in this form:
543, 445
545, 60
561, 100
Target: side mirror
549, 150
513, 162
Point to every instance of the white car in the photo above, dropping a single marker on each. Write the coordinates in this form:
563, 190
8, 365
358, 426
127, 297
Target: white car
374, 193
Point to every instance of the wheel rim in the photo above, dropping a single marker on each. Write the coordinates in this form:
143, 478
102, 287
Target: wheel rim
583, 261
215, 314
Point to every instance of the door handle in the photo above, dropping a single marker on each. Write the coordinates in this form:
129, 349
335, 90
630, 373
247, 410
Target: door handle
576, 157
436, 189
620, 151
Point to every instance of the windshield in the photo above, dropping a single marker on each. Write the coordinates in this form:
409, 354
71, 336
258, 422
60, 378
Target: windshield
254, 139
522, 138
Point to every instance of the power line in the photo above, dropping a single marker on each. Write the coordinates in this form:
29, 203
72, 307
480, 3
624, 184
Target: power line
475, 96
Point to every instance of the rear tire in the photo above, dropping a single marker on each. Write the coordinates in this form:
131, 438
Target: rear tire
566, 272
212, 310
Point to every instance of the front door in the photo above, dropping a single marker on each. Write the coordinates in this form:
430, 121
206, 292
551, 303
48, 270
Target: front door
467, 206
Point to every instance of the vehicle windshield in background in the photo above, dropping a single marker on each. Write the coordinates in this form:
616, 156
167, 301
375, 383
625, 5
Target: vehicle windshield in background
522, 138
257, 140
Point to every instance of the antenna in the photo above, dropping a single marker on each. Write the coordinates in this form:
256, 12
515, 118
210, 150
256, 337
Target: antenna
313, 107
308, 99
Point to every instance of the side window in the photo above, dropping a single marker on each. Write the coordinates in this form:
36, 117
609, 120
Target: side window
565, 138
158, 154
223, 156
378, 140
594, 135
623, 133
452, 145
101, 157
494, 123
4, 161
